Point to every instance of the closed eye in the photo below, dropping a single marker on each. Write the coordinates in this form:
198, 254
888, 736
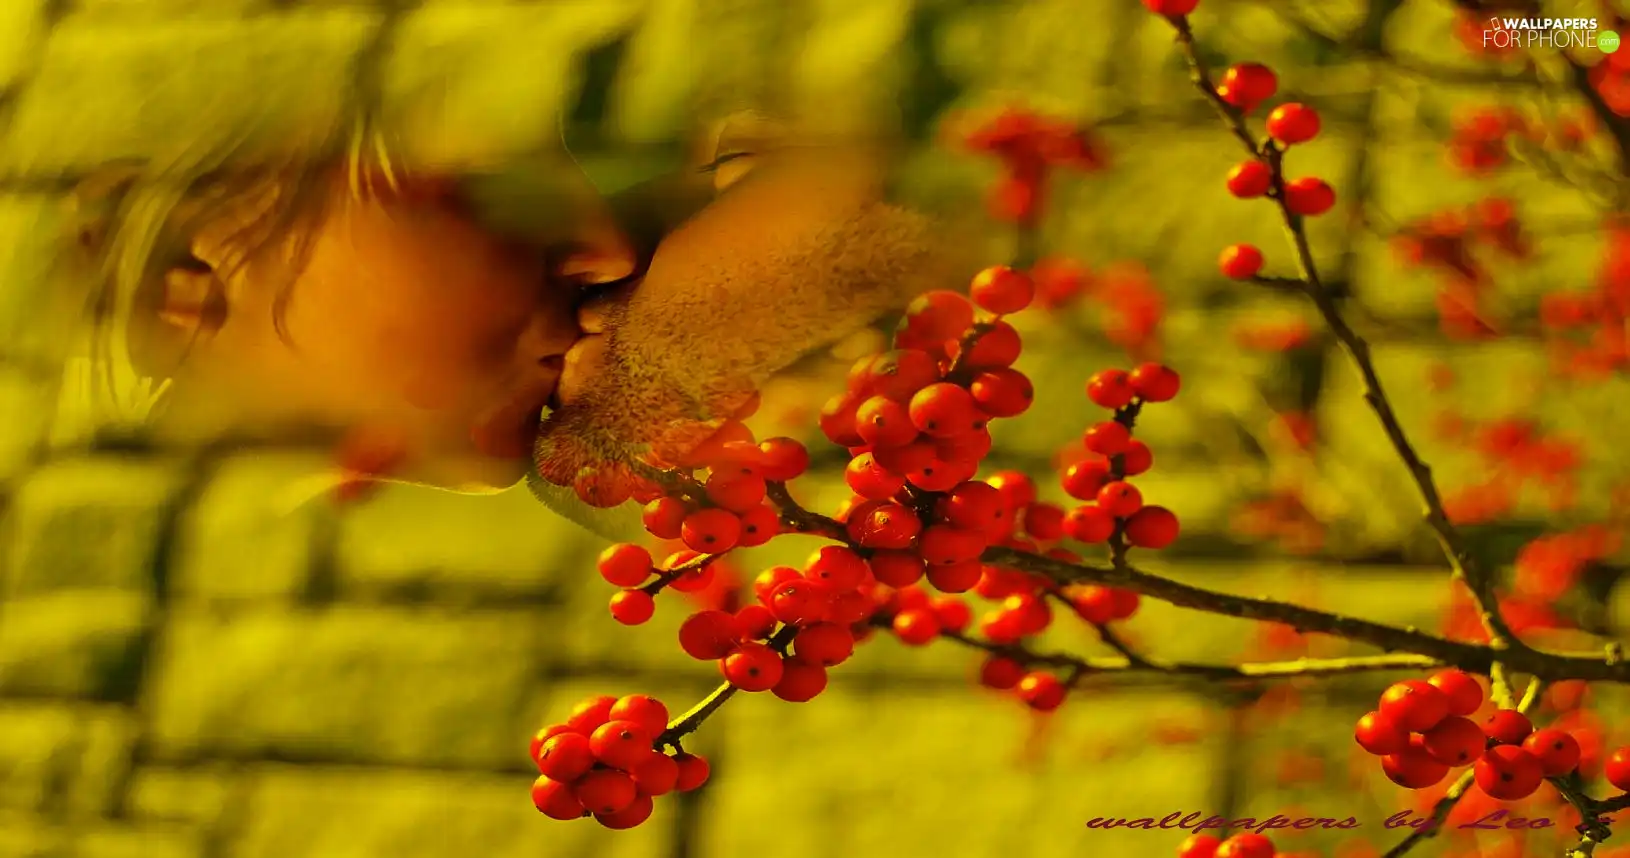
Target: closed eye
714, 165
728, 169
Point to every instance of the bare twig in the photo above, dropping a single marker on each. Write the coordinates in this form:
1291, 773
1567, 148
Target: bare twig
1463, 564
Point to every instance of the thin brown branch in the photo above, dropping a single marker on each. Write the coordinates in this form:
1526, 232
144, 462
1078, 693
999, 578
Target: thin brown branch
1464, 565
1477, 658
1256, 671
704, 709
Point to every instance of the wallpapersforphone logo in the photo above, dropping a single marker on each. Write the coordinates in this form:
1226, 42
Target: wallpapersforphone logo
1558, 33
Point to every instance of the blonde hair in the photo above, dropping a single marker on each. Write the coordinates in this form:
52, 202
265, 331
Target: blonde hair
128, 225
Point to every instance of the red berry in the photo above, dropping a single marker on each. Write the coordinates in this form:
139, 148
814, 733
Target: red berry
1249, 179
758, 526
937, 316
1246, 844
555, 799
800, 682
1088, 523
1413, 768
885, 525
626, 565
944, 545
1016, 487
1156, 382
695, 579
897, 568
915, 456
633, 607
953, 613
648, 712
1558, 751
1041, 691
1616, 768
1044, 521
657, 775
1107, 438
752, 667
852, 608
1414, 705
998, 346
621, 744
1000, 673
1123, 603
1111, 388
764, 585
972, 505
1309, 196
870, 480
693, 771
632, 816
1380, 735
944, 409
1199, 846
916, 626
1153, 527
1002, 290
1293, 123
1455, 741
955, 577
664, 517
752, 623
605, 791
1120, 499
544, 735
735, 491
1507, 773
799, 602
1240, 261
1002, 392
711, 531
1083, 480
565, 757
784, 459
1248, 84
837, 566
1171, 8
1464, 693
707, 635
1508, 726
899, 374
591, 713
883, 422
965, 450
825, 644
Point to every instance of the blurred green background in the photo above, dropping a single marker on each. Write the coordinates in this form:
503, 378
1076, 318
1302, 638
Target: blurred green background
194, 666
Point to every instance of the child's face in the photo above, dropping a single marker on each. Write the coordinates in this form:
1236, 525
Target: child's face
416, 331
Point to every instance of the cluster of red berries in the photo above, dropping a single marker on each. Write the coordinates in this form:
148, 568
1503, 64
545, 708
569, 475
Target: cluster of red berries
1246, 86
606, 761
1422, 729
1246, 844
915, 422
1029, 145
1590, 328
